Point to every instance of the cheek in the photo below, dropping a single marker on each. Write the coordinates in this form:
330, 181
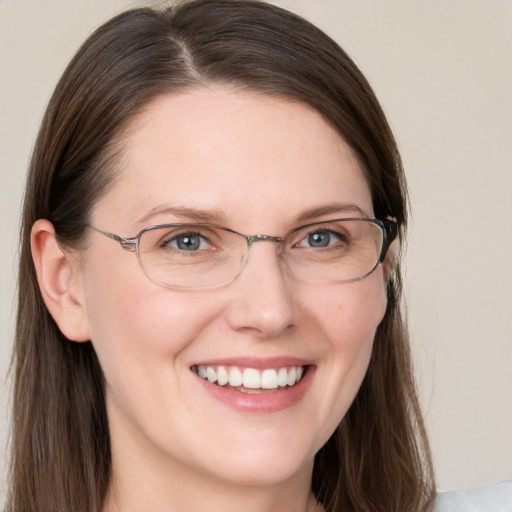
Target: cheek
145, 322
354, 323
347, 317
138, 327
350, 313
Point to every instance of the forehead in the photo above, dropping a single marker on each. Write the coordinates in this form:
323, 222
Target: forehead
247, 156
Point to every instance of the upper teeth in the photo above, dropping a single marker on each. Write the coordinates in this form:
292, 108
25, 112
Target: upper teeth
251, 378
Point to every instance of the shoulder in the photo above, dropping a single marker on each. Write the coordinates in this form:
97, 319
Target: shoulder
494, 498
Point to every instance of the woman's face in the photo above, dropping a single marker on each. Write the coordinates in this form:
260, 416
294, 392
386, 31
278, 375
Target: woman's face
255, 164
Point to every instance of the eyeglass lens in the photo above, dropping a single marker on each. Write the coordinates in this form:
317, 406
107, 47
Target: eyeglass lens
203, 256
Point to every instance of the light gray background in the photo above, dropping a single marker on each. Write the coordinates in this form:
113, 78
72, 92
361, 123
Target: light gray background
443, 72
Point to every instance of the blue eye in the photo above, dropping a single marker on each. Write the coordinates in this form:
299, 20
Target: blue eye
187, 242
320, 239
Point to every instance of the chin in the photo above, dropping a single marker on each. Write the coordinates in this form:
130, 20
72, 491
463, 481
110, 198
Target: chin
264, 473
263, 463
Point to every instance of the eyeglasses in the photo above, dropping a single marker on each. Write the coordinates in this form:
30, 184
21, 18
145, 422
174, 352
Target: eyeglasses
204, 256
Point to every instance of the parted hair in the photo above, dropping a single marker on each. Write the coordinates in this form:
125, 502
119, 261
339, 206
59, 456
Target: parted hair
378, 458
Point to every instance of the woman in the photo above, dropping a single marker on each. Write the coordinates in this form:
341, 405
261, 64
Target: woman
245, 350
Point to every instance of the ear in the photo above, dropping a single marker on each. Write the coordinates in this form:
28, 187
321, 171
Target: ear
388, 265
59, 281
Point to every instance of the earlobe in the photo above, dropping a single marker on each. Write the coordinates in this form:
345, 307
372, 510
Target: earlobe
59, 281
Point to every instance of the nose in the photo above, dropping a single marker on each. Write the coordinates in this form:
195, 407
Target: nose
261, 301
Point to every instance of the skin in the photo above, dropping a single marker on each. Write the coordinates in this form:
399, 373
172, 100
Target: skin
260, 162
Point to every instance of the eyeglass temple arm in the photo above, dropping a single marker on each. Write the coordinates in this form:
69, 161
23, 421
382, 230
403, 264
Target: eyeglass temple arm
390, 233
129, 244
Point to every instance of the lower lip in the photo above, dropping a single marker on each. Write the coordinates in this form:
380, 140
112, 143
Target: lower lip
263, 402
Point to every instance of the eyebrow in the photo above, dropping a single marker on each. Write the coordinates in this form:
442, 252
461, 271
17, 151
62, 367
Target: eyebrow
208, 216
330, 209
215, 216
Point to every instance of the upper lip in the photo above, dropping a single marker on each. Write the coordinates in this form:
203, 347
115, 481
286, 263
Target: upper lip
256, 362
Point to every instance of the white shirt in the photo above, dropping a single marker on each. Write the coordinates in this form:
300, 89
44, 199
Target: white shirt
495, 498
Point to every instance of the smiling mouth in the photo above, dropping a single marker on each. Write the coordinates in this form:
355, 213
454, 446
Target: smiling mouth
251, 380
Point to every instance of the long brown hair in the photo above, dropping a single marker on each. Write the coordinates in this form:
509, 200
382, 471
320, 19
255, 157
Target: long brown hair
378, 458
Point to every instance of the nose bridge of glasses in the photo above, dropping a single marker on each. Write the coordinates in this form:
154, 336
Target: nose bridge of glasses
262, 238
